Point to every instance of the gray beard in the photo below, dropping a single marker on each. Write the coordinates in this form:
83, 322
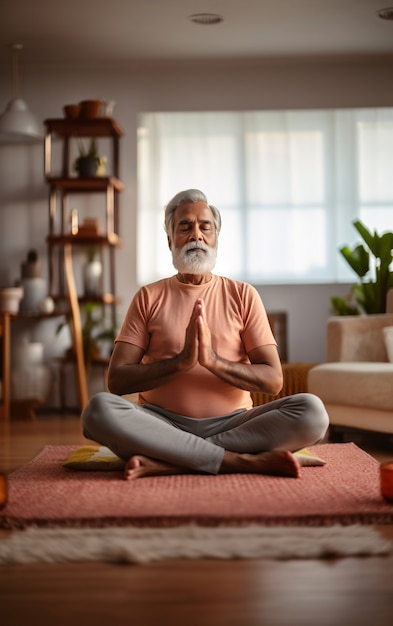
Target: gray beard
187, 260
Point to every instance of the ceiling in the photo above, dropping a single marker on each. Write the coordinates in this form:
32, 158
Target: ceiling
131, 31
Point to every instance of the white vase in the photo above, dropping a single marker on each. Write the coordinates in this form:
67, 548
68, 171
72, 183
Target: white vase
31, 383
34, 291
92, 278
30, 378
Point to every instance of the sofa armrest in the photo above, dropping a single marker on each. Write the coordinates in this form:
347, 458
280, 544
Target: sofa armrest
357, 338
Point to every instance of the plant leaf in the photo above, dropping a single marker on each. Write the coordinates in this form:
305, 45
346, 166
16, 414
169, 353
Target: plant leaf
358, 259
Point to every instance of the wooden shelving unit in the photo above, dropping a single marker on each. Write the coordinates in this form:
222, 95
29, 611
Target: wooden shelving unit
64, 241
62, 187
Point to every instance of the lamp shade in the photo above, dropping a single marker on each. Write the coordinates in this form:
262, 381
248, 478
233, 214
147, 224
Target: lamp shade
18, 124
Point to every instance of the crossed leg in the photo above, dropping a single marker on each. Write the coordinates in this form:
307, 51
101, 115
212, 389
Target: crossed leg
157, 443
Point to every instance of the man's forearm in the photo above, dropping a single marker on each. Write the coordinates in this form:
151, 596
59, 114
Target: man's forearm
249, 376
132, 378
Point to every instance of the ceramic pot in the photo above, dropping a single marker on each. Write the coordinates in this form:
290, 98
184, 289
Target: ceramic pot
10, 298
30, 378
31, 382
34, 291
87, 167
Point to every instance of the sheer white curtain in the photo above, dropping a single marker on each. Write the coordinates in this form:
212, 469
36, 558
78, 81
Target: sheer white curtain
288, 185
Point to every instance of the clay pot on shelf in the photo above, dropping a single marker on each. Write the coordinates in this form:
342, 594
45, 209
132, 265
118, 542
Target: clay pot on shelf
90, 109
72, 111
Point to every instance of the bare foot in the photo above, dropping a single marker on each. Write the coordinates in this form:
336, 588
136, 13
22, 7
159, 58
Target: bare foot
274, 463
139, 466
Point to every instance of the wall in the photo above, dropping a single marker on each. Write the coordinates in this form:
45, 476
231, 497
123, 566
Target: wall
183, 86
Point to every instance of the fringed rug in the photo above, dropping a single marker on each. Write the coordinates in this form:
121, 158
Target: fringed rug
143, 545
344, 491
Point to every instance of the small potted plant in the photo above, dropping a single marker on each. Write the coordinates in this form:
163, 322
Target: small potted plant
89, 163
31, 267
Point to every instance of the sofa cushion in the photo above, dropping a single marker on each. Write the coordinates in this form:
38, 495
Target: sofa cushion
368, 385
357, 338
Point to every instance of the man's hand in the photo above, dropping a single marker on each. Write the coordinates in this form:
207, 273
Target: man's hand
206, 354
198, 346
189, 355
262, 373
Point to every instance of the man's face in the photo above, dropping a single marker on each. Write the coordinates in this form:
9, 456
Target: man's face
194, 244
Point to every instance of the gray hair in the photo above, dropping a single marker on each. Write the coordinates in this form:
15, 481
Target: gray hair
189, 195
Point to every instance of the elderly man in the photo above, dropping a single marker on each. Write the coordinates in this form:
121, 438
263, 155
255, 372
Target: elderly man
193, 346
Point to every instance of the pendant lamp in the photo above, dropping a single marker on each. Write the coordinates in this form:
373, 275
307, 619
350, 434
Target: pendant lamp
17, 123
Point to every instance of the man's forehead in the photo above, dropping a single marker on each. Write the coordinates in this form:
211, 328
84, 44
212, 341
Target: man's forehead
193, 211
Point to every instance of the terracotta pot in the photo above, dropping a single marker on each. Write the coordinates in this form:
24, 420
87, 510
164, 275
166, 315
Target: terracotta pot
386, 479
72, 111
90, 109
3, 490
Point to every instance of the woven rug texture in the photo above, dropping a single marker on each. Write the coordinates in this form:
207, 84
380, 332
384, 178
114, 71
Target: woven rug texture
344, 491
143, 545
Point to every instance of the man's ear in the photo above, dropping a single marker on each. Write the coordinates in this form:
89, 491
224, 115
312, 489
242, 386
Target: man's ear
169, 243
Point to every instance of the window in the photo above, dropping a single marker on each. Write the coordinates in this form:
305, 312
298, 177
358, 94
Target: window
288, 185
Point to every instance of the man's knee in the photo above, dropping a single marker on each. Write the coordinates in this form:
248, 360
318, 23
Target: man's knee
96, 407
310, 413
315, 416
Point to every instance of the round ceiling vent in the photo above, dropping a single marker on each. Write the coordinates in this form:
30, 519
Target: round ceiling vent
205, 19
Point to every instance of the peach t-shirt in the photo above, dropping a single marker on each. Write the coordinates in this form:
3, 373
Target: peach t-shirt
157, 319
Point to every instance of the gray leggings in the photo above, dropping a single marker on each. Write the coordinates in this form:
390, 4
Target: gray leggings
126, 428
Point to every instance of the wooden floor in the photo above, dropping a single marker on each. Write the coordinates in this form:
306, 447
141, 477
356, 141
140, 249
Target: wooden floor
190, 593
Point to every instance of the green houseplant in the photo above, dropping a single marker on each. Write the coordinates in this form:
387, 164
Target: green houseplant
94, 330
371, 261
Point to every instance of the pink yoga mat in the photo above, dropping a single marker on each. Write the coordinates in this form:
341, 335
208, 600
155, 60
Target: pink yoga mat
346, 490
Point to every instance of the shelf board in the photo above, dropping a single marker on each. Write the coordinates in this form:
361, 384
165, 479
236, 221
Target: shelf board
112, 239
95, 360
25, 315
82, 185
105, 298
95, 127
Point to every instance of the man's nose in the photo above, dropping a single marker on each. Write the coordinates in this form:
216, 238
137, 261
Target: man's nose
196, 234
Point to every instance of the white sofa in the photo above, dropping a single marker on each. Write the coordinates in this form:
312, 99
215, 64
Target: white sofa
356, 382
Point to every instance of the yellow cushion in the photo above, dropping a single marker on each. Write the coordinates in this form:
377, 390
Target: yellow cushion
305, 457
100, 458
93, 458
